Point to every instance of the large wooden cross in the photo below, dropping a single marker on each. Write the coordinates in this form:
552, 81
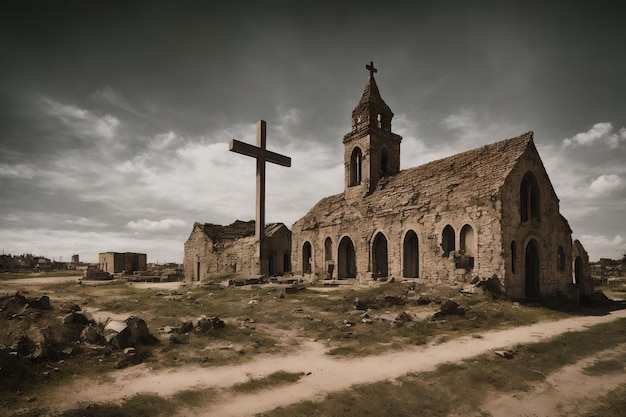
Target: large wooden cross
262, 155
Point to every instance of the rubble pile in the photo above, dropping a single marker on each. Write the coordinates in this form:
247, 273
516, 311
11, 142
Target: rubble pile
35, 331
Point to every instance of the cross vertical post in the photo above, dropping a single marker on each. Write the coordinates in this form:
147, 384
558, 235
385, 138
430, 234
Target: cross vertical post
262, 155
261, 142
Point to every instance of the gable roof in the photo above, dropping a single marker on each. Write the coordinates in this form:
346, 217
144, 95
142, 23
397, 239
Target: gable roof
467, 178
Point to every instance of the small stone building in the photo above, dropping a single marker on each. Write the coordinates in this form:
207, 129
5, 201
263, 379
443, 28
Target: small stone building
488, 211
115, 262
213, 249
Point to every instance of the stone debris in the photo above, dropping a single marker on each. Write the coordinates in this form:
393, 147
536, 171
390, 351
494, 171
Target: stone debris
41, 303
506, 354
449, 308
207, 324
402, 318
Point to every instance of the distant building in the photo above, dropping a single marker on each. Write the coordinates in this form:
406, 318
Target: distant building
75, 259
115, 262
6, 263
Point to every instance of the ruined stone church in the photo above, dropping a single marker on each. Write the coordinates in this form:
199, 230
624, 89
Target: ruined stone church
485, 212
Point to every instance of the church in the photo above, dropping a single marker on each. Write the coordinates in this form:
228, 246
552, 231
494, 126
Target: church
487, 212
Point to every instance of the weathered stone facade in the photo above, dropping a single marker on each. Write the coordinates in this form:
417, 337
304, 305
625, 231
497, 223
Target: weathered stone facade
115, 262
484, 212
214, 249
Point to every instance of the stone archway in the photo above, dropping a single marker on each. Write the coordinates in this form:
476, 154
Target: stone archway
346, 259
306, 258
411, 255
380, 267
532, 267
578, 271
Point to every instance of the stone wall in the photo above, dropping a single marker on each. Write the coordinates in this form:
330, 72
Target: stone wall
214, 250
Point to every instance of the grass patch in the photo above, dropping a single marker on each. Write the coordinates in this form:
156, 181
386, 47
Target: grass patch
195, 398
140, 405
612, 404
603, 367
272, 380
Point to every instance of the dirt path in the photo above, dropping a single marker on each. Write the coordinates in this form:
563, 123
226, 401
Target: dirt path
563, 393
327, 374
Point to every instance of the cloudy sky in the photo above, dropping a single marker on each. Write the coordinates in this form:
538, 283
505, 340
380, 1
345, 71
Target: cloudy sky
115, 117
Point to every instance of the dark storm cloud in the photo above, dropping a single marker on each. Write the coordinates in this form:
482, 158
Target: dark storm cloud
117, 113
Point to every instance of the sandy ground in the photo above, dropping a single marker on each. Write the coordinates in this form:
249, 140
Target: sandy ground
327, 374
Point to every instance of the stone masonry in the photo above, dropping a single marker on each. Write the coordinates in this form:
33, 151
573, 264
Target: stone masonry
485, 212
213, 250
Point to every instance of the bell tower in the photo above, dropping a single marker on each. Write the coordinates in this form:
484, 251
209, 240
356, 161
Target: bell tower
371, 150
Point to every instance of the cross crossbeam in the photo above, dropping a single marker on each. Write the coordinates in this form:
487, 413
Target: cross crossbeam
262, 155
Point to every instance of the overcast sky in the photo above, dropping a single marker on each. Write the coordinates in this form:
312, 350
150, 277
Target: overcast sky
115, 117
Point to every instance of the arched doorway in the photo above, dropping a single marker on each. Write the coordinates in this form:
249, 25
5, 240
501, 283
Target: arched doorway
578, 271
286, 262
328, 250
347, 259
306, 258
532, 270
411, 255
380, 267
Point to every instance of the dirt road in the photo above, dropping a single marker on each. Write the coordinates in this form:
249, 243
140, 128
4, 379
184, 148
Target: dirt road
327, 373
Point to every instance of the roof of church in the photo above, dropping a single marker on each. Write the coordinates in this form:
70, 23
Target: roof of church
466, 178
371, 94
236, 230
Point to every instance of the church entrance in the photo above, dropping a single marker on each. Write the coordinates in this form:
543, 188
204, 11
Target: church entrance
306, 258
286, 263
411, 255
532, 270
380, 267
347, 259
578, 271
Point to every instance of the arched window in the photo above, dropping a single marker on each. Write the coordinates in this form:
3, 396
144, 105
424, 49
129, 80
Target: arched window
560, 259
355, 167
467, 240
384, 161
529, 198
447, 240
